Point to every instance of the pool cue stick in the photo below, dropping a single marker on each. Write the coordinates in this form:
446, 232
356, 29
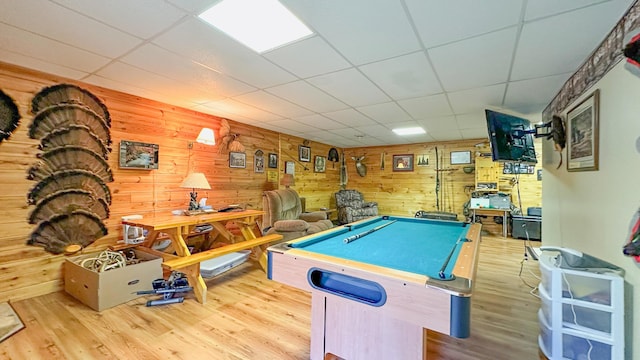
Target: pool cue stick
363, 234
446, 261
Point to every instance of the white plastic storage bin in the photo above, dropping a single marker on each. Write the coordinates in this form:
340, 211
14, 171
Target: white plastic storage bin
545, 339
581, 313
216, 266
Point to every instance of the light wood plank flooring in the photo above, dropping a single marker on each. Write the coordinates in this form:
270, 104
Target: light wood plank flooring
250, 317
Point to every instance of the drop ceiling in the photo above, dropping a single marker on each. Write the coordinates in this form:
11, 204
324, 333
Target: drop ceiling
371, 65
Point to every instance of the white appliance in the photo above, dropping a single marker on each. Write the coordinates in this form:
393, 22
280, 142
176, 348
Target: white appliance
132, 234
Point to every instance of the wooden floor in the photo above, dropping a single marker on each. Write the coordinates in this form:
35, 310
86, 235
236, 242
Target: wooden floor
250, 317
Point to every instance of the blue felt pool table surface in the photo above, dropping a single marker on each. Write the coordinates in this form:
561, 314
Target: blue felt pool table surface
415, 245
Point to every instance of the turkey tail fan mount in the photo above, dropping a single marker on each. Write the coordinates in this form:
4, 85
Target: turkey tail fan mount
61, 116
69, 94
9, 116
69, 158
66, 202
75, 135
80, 227
69, 179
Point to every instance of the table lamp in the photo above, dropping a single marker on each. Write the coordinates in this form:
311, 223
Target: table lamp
287, 180
195, 181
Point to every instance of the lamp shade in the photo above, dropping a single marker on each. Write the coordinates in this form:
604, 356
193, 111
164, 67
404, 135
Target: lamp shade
196, 181
287, 180
206, 137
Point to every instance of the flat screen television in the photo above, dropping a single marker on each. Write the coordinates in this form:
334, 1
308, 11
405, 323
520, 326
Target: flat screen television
511, 138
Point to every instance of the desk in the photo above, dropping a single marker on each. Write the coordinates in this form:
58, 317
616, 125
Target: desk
493, 212
178, 226
372, 298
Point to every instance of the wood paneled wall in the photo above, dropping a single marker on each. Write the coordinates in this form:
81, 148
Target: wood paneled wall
28, 271
404, 193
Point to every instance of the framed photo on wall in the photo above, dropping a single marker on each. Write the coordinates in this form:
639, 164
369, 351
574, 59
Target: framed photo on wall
583, 134
273, 161
304, 153
258, 162
289, 167
460, 157
237, 160
138, 155
403, 162
319, 164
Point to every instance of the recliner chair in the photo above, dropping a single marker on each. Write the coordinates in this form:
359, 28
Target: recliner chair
352, 207
284, 216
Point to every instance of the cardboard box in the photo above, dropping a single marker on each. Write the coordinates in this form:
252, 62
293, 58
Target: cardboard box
102, 290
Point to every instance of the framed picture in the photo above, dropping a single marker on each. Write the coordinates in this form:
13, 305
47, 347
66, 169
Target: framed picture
273, 161
258, 162
319, 164
517, 168
138, 155
403, 162
304, 153
237, 160
582, 135
460, 157
289, 167
423, 160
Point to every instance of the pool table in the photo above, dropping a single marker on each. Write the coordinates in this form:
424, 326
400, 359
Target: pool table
378, 283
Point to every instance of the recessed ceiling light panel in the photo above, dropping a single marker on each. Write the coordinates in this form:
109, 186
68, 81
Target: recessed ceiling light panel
409, 131
261, 25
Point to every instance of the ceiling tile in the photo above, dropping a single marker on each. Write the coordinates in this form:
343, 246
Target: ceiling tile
293, 125
439, 124
356, 28
128, 74
194, 6
379, 131
547, 48
427, 106
404, 77
476, 133
350, 117
273, 127
308, 57
245, 110
433, 18
484, 60
351, 87
56, 22
446, 135
476, 100
123, 87
264, 100
208, 46
543, 8
125, 15
164, 63
40, 65
44, 49
527, 96
307, 96
319, 121
472, 121
385, 112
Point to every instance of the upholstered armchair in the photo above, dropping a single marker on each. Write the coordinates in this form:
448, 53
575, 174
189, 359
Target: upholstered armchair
284, 216
352, 207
